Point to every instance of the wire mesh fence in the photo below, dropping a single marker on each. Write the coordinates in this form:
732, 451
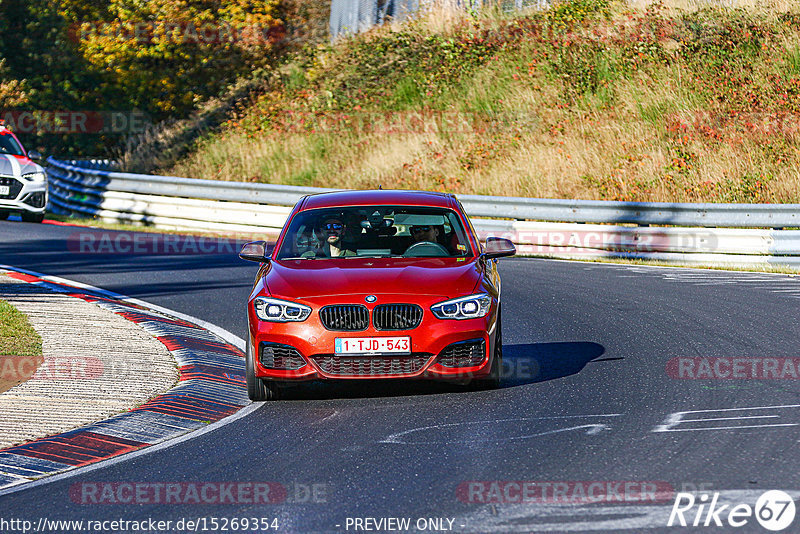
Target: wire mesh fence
354, 16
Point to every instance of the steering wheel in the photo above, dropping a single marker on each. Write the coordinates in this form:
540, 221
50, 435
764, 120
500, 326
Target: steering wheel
426, 249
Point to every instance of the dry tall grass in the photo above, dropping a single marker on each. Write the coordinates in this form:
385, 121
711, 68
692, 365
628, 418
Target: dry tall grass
648, 135
771, 6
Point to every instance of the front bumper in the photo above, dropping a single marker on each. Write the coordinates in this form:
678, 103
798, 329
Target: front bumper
23, 195
427, 360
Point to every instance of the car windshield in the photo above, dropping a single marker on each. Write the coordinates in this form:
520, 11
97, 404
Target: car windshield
375, 231
9, 145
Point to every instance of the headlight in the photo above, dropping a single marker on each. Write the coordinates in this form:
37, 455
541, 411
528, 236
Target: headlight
34, 177
470, 307
280, 311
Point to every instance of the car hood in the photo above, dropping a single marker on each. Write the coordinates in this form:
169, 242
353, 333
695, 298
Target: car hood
300, 279
16, 166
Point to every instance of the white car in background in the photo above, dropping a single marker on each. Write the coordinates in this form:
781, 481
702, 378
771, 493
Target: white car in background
23, 183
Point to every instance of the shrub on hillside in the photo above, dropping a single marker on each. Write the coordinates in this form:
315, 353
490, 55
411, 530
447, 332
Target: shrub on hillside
168, 56
158, 59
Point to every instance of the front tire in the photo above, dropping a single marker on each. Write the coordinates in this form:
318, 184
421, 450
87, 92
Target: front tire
492, 381
257, 389
32, 217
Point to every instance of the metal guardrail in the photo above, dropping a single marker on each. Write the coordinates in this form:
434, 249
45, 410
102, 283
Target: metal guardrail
542, 209
172, 203
731, 234
105, 180
644, 213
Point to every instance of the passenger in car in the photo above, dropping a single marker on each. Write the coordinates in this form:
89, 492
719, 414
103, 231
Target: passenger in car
450, 241
436, 234
422, 233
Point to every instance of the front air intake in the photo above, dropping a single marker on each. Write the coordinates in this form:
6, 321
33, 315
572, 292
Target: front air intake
372, 365
277, 356
463, 354
14, 187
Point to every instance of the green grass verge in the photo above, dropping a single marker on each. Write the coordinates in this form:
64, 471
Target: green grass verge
17, 336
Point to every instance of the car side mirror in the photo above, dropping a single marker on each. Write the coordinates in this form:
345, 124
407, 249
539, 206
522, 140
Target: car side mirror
498, 247
34, 155
254, 251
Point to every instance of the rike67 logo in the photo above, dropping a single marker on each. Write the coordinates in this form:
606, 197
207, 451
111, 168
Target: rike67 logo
774, 510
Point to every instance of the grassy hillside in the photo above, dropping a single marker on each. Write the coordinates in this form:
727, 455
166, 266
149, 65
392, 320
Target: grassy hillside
590, 99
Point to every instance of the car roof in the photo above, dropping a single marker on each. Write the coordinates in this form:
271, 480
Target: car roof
385, 197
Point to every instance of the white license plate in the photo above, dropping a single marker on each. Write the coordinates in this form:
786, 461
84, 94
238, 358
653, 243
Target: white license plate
5, 190
373, 345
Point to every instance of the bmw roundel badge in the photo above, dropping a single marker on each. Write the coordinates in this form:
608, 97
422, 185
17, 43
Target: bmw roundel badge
371, 298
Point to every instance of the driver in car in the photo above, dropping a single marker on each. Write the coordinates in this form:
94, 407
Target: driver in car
333, 230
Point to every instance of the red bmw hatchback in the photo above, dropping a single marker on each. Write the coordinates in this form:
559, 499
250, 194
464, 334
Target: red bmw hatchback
374, 284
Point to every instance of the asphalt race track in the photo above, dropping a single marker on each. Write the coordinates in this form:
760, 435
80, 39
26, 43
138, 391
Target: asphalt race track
590, 397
